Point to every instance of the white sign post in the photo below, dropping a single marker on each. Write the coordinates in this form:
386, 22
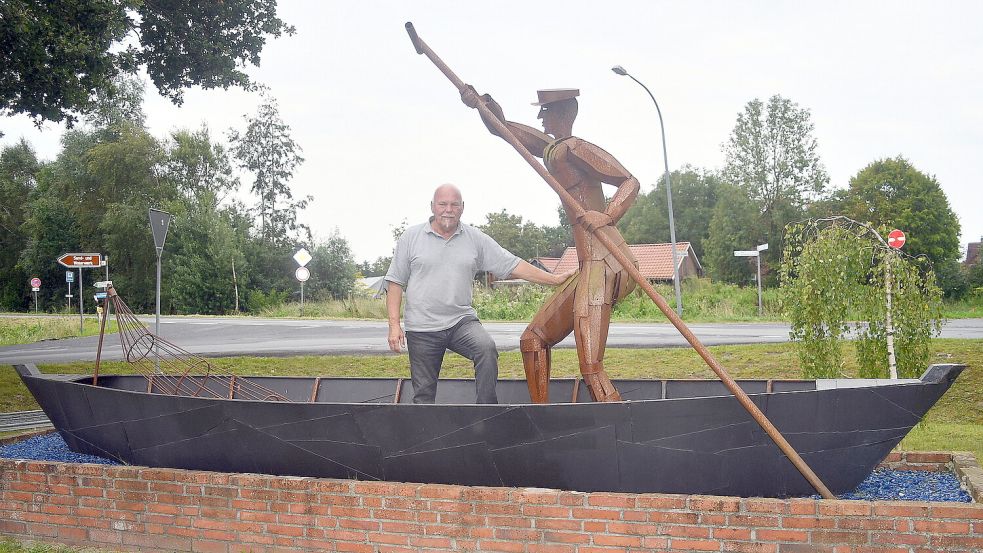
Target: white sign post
302, 257
35, 287
756, 253
159, 222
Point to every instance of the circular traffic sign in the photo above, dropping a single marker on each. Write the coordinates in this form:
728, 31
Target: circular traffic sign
302, 274
896, 239
35, 282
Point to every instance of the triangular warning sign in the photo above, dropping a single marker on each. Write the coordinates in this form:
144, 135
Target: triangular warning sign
159, 221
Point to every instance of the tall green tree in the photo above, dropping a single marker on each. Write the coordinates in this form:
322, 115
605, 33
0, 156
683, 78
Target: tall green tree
332, 268
19, 168
893, 193
772, 155
694, 196
267, 150
57, 56
733, 226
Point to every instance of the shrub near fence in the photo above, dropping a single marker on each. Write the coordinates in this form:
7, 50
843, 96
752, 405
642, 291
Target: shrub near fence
143, 509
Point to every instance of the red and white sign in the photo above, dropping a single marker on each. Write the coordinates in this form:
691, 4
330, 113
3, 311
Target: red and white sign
81, 260
896, 239
35, 282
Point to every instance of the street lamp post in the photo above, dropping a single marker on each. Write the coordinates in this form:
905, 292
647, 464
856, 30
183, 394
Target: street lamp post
672, 225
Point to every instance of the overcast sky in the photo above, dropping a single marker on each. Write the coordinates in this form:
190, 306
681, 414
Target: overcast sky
381, 127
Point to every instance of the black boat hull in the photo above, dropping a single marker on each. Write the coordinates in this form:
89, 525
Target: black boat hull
693, 445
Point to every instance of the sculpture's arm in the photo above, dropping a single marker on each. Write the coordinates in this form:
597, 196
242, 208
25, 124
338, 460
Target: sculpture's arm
533, 139
603, 167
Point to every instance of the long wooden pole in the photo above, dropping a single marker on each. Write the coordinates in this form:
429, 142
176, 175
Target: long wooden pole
629, 265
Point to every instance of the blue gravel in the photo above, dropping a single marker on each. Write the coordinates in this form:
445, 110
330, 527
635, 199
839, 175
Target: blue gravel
903, 485
49, 447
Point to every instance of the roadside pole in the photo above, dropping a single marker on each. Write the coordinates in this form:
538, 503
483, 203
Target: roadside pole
81, 303
756, 253
159, 221
302, 257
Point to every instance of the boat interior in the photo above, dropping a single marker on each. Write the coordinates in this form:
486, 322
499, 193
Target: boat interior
462, 391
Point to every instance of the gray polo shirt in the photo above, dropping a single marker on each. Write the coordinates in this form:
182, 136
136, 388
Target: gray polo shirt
437, 274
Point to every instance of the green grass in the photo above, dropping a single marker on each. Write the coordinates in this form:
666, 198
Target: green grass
8, 545
954, 423
27, 330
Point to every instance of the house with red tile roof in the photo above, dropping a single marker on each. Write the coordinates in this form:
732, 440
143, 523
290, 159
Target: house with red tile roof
654, 262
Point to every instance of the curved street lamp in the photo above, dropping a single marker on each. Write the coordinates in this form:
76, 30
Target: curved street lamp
672, 225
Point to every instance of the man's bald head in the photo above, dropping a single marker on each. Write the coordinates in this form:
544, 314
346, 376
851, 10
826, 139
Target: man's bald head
446, 191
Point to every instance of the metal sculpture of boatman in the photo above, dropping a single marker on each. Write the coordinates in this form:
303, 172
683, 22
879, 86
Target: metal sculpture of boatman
583, 304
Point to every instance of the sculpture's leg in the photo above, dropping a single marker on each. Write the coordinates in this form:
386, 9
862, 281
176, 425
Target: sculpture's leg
592, 316
552, 323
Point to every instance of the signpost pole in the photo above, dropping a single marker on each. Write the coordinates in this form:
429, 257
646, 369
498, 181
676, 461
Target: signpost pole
157, 313
69, 296
81, 303
35, 302
758, 257
302, 299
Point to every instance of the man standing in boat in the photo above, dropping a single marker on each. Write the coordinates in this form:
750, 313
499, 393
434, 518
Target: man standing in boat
584, 303
435, 263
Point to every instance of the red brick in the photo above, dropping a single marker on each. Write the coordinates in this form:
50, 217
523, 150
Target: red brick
218, 535
623, 501
732, 533
359, 524
927, 457
808, 522
782, 535
439, 491
518, 534
756, 521
846, 508
393, 514
760, 505
661, 502
484, 494
540, 497
972, 512
545, 511
558, 524
685, 531
497, 508
282, 530
713, 503
962, 542
566, 537
826, 536
621, 541
603, 514
695, 545
551, 548
745, 547
425, 541
392, 539
941, 527
896, 509
512, 547
900, 539
401, 527
863, 523
512, 522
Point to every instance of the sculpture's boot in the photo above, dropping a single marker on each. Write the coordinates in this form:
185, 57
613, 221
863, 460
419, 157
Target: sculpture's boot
536, 362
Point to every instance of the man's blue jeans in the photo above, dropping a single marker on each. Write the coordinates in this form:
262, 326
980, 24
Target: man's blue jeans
467, 338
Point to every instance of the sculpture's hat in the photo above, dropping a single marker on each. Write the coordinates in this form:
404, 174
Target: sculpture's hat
551, 95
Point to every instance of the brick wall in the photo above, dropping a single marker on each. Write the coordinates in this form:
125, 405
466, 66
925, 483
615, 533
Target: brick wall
143, 509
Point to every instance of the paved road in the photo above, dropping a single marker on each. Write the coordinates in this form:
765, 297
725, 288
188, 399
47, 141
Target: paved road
215, 337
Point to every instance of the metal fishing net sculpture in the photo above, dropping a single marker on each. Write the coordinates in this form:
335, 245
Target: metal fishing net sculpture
169, 369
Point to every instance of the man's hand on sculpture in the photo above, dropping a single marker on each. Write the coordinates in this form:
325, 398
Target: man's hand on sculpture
562, 277
397, 339
592, 220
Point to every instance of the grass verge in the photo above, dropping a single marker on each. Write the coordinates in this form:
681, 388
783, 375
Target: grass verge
26, 330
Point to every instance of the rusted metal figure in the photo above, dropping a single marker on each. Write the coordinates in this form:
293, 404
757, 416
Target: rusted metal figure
627, 263
582, 304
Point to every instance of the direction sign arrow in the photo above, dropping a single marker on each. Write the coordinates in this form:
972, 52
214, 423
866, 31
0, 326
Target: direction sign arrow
81, 260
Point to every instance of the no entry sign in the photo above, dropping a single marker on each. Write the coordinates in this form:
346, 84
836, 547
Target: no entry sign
896, 239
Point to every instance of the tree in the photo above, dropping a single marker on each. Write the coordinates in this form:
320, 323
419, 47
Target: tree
271, 155
56, 56
834, 276
694, 194
733, 226
893, 193
524, 239
19, 168
772, 155
198, 167
333, 268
